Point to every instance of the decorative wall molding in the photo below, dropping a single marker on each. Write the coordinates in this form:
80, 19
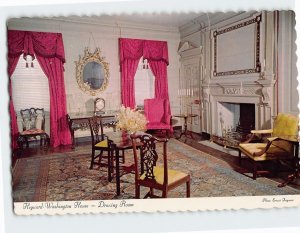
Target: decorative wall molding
232, 91
250, 91
105, 29
217, 33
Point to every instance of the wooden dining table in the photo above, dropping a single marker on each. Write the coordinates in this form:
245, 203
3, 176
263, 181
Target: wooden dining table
120, 143
185, 130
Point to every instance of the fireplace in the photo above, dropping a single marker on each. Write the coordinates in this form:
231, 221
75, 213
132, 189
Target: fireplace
235, 121
237, 107
235, 116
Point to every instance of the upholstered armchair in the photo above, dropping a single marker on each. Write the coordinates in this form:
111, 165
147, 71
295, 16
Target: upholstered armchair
278, 146
158, 115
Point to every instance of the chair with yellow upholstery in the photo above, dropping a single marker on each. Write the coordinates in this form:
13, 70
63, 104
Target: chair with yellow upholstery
101, 143
279, 146
148, 174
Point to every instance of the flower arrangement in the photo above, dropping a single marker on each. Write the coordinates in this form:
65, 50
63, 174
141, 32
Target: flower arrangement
131, 120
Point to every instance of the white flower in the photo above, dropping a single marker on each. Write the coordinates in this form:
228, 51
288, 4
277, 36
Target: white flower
131, 120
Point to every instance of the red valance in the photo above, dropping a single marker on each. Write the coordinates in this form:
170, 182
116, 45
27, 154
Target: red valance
48, 48
149, 49
49, 45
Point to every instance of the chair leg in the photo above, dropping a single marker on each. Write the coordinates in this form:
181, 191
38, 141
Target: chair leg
123, 156
100, 157
188, 190
112, 156
276, 168
20, 142
164, 193
27, 143
47, 142
137, 191
254, 170
44, 141
151, 191
92, 159
240, 157
109, 166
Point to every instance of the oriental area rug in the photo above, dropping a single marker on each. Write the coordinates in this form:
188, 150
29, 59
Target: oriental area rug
67, 177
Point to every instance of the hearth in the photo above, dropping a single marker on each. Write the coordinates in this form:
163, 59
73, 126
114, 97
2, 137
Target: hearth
235, 121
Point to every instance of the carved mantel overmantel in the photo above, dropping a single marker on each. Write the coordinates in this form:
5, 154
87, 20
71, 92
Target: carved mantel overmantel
259, 92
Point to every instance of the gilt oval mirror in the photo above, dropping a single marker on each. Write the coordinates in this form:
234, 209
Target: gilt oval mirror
92, 72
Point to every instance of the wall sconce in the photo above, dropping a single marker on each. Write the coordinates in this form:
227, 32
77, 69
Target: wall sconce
26, 58
145, 64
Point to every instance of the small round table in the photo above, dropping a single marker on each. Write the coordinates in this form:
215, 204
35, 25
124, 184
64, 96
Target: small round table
185, 131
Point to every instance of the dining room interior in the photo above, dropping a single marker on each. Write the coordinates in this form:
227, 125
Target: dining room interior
172, 105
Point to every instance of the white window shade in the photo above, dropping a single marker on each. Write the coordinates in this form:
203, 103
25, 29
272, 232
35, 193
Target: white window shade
30, 87
144, 83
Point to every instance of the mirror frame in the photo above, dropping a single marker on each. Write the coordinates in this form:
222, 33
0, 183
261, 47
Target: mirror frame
80, 64
257, 67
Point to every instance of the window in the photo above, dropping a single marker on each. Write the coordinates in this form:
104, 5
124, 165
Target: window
143, 83
30, 86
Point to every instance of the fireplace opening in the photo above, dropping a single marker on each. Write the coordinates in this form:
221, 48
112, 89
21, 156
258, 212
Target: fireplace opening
235, 121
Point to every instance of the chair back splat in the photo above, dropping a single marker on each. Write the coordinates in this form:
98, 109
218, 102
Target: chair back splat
33, 118
148, 171
96, 128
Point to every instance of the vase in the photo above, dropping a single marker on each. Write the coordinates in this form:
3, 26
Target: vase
125, 136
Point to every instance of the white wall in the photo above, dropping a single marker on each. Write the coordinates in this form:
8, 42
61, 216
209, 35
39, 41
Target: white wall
288, 96
78, 35
273, 93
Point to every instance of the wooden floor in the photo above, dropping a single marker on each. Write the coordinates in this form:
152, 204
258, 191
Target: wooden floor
245, 168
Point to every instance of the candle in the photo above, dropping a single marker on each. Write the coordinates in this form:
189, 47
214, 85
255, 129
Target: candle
241, 89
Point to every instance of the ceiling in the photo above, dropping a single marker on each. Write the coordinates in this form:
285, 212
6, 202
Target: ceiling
165, 20
174, 20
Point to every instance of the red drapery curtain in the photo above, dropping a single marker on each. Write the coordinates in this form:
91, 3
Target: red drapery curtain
131, 50
156, 52
49, 50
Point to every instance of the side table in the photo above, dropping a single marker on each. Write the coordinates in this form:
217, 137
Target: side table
185, 131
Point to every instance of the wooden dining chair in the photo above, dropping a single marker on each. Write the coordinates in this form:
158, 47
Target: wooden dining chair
101, 143
33, 125
148, 174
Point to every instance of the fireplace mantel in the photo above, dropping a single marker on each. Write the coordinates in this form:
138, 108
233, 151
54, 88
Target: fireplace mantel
259, 92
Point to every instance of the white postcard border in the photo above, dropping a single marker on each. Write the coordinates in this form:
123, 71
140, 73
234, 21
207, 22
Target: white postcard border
18, 221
